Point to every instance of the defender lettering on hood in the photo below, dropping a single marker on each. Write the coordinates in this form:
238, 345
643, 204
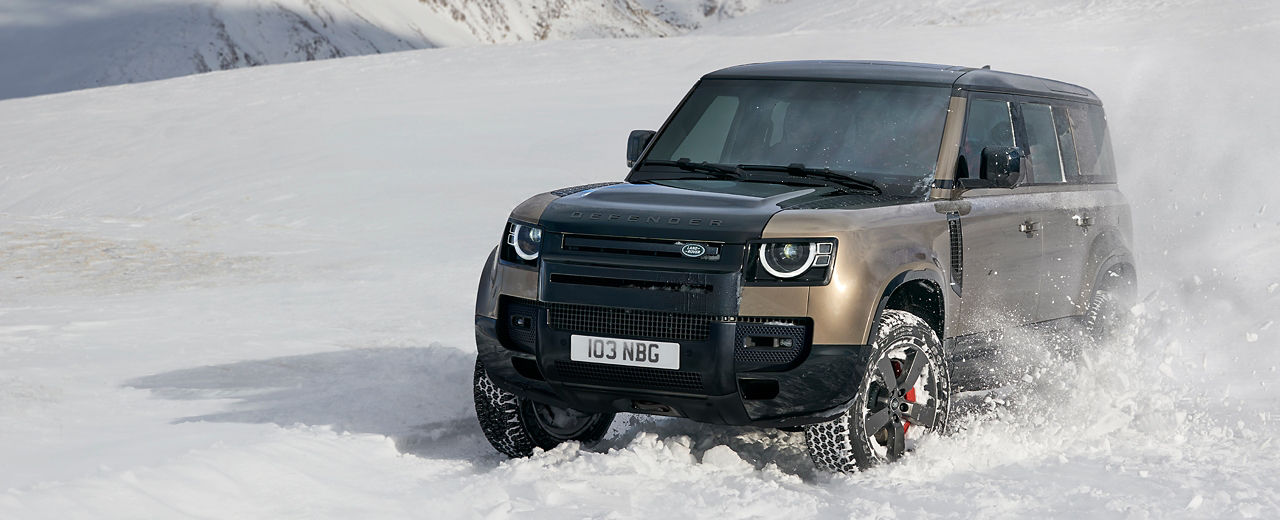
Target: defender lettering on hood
674, 221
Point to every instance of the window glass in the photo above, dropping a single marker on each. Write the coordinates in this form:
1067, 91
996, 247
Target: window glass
705, 142
776, 118
989, 125
1042, 138
1066, 143
1093, 145
886, 132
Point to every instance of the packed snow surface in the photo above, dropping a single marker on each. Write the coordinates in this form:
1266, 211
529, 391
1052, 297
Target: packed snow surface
248, 294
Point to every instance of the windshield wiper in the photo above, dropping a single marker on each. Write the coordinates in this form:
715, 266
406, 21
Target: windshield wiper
715, 170
844, 180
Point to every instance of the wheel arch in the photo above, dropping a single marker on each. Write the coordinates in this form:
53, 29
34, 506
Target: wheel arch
1108, 253
1116, 271
918, 292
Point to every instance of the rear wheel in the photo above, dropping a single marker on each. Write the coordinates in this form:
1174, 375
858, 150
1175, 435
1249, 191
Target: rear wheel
1106, 316
902, 396
515, 425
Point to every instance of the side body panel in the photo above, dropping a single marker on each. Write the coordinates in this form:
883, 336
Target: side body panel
1003, 246
1088, 227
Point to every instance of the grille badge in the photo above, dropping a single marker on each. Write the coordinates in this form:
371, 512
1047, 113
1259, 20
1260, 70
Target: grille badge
693, 250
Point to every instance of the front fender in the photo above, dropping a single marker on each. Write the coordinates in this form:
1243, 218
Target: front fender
500, 278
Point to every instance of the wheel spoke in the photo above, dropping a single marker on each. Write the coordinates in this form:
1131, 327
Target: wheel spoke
886, 371
922, 414
918, 361
897, 441
876, 421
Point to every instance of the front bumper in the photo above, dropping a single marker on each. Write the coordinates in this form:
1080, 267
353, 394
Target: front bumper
721, 380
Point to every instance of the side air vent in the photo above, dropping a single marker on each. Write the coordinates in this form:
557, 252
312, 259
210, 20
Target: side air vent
957, 253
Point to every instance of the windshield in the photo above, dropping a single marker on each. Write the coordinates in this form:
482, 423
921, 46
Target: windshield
887, 133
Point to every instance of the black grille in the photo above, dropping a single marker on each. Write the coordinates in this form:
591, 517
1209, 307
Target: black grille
649, 247
629, 377
525, 337
562, 192
957, 253
756, 358
850, 200
611, 321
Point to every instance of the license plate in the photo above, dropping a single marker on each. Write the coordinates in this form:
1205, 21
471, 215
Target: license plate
629, 352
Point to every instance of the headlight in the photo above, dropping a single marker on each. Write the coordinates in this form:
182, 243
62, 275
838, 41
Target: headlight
787, 259
525, 241
796, 261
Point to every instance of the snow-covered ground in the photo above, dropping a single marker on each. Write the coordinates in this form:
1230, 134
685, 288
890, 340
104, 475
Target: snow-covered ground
51, 46
248, 294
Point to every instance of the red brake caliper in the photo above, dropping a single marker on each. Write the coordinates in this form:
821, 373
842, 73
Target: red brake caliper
911, 394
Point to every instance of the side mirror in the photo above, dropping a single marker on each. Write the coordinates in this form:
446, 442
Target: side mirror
1002, 166
636, 142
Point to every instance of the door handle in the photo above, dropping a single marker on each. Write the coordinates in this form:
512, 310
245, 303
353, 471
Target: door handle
1082, 220
1029, 227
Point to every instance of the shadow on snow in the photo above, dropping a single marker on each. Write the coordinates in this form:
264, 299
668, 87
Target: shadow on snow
419, 397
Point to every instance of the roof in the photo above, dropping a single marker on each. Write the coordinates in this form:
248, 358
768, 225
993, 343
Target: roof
967, 78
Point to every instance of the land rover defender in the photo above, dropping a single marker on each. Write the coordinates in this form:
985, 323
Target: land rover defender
824, 245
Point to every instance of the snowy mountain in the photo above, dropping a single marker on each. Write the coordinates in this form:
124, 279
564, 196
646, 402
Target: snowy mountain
71, 44
249, 294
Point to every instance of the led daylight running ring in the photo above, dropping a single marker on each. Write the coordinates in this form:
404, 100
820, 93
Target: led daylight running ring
514, 241
808, 262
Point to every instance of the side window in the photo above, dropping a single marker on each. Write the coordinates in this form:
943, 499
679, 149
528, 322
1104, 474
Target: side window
1093, 144
705, 141
989, 124
1066, 143
1042, 138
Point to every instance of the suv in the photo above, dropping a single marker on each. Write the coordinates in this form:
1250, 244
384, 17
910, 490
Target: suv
830, 246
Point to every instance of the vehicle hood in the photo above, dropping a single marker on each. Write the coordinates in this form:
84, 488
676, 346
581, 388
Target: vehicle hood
710, 210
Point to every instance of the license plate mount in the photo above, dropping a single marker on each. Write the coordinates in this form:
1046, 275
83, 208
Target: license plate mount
626, 352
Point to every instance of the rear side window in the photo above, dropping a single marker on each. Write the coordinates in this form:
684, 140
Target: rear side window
1093, 144
989, 124
1042, 138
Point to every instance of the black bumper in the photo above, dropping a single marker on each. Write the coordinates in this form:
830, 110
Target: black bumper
720, 381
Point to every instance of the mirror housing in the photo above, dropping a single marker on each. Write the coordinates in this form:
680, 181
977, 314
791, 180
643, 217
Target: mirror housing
636, 143
1002, 166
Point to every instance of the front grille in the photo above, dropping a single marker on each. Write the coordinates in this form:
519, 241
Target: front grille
643, 247
612, 321
629, 377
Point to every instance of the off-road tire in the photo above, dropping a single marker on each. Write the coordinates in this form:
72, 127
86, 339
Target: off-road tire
1106, 316
842, 444
511, 425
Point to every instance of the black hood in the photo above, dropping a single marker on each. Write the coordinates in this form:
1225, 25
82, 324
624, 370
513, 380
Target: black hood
715, 210
710, 210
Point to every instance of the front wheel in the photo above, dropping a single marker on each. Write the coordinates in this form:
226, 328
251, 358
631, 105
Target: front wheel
903, 394
515, 425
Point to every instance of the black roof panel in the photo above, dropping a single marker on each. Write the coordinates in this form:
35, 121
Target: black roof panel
903, 72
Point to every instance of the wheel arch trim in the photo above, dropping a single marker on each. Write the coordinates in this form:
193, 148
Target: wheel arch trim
903, 279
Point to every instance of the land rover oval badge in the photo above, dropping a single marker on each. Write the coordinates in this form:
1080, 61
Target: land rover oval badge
693, 250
